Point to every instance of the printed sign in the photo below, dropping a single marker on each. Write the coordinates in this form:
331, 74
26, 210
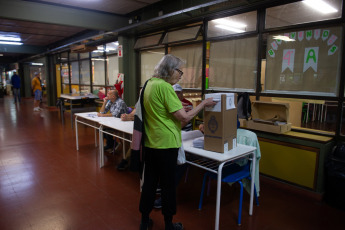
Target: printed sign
119, 51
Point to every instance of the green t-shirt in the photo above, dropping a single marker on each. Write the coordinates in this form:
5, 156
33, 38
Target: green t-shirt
162, 129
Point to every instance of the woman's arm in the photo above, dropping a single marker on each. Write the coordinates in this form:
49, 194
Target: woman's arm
185, 117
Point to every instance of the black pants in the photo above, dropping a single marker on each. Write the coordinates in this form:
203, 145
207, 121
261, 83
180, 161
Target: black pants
160, 165
109, 138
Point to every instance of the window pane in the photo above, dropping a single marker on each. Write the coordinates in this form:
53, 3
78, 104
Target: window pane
98, 52
192, 70
65, 88
64, 73
148, 41
99, 91
85, 89
233, 64
232, 25
64, 57
75, 89
304, 62
73, 56
149, 59
84, 55
113, 69
111, 48
85, 72
98, 71
75, 72
181, 35
300, 12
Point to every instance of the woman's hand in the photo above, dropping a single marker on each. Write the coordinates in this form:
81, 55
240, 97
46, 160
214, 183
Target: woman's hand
209, 102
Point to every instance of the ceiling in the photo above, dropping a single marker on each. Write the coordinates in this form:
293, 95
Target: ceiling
39, 30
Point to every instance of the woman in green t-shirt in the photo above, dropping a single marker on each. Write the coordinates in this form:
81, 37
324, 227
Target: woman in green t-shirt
163, 118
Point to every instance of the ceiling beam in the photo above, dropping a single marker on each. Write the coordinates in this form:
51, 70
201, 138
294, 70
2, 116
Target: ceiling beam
45, 13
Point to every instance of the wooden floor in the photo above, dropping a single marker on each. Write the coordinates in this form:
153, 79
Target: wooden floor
46, 184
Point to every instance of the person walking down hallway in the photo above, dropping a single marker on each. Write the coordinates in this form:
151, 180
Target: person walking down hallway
15, 81
37, 89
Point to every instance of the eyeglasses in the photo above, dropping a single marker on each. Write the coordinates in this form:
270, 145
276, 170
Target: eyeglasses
179, 71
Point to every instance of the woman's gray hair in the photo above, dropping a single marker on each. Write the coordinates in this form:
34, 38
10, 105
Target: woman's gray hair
166, 66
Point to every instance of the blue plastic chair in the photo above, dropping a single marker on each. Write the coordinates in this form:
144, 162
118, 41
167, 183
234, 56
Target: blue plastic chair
231, 174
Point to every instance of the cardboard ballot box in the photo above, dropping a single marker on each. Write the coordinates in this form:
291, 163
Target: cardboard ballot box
220, 123
270, 117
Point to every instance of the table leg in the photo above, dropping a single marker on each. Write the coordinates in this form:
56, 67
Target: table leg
252, 184
72, 114
219, 191
123, 146
95, 136
101, 148
62, 105
76, 132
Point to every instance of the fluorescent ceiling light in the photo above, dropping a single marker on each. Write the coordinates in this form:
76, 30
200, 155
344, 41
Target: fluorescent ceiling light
1, 55
320, 6
283, 38
230, 28
36, 63
10, 38
11, 43
226, 22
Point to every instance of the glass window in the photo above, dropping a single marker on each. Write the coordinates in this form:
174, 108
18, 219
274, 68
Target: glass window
64, 57
187, 34
305, 62
84, 55
113, 69
73, 56
75, 72
98, 52
85, 72
232, 25
149, 59
85, 89
75, 89
99, 91
111, 48
233, 64
147, 41
192, 71
64, 73
303, 12
98, 71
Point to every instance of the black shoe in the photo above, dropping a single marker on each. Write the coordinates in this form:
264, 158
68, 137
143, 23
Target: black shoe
158, 203
123, 165
147, 225
174, 226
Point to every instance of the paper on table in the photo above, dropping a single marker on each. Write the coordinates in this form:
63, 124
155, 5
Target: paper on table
230, 101
191, 134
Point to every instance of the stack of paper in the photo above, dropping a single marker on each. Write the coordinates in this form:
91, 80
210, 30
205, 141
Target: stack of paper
198, 143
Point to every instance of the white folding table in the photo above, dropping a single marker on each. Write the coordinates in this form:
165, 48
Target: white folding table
214, 162
124, 127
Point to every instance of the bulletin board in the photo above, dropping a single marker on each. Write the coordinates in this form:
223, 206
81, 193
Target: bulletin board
305, 60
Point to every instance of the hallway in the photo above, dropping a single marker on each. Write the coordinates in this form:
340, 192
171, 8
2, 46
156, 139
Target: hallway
46, 184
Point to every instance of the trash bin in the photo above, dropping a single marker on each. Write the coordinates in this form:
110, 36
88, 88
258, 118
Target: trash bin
335, 177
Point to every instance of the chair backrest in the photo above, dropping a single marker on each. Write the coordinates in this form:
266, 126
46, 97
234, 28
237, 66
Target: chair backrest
246, 137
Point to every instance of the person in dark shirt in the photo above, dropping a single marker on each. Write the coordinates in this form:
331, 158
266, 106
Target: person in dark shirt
15, 81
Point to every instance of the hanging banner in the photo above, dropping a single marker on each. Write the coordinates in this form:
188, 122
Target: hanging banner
332, 50
271, 53
325, 34
288, 59
332, 39
274, 45
311, 56
293, 36
300, 35
309, 34
317, 34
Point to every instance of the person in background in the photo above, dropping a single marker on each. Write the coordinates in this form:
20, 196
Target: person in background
113, 103
163, 117
187, 105
37, 89
15, 81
